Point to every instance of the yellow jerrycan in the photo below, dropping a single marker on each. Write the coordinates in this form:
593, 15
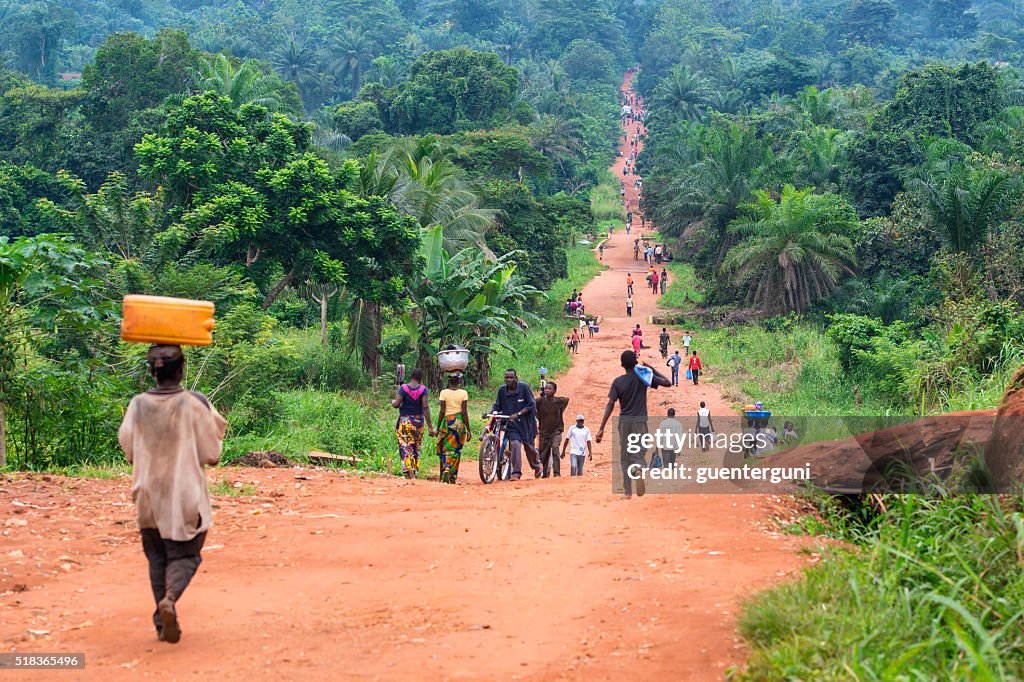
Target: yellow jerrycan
167, 321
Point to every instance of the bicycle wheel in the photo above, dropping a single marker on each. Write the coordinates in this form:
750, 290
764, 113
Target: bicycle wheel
488, 458
504, 462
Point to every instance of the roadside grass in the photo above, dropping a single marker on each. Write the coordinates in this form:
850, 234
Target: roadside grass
794, 370
605, 202
683, 292
934, 592
106, 470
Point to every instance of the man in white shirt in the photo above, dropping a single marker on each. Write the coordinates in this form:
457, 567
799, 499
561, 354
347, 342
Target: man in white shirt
578, 437
687, 339
704, 427
670, 426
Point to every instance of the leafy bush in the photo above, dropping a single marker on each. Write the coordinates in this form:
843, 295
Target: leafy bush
852, 333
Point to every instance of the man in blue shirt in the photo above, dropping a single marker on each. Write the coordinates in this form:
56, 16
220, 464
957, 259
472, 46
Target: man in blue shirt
515, 399
674, 363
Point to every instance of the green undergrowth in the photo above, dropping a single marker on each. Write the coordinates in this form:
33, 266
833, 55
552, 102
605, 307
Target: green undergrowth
606, 203
683, 292
792, 369
932, 589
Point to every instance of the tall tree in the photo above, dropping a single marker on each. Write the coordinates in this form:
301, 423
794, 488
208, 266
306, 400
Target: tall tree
354, 48
794, 251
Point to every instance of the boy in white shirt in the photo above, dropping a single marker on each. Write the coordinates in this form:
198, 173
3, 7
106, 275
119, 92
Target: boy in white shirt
579, 437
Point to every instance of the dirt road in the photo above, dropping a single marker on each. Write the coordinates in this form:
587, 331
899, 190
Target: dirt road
321, 575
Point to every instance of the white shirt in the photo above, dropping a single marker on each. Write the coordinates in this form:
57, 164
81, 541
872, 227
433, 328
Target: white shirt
672, 425
704, 417
686, 340
578, 439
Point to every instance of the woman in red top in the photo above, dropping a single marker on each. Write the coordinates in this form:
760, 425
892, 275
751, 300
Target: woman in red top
695, 367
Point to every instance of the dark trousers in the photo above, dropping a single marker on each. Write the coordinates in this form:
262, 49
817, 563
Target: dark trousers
675, 375
516, 446
549, 454
171, 564
694, 373
627, 426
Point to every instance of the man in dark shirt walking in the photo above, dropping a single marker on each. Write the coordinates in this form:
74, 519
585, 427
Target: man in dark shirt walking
549, 414
630, 391
515, 399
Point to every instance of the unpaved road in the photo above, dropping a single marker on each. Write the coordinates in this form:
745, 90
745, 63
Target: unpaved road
322, 575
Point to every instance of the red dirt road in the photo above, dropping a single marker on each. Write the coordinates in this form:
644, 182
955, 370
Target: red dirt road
322, 575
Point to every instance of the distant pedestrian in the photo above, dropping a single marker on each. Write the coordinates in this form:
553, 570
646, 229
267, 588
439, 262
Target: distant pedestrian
654, 282
629, 283
673, 363
695, 367
687, 340
664, 280
413, 402
663, 339
453, 428
580, 443
705, 427
637, 343
629, 306
671, 426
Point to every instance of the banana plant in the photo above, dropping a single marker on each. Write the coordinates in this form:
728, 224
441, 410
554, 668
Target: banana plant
465, 299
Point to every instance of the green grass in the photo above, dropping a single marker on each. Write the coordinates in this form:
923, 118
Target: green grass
238, 489
934, 593
683, 292
606, 202
794, 370
107, 471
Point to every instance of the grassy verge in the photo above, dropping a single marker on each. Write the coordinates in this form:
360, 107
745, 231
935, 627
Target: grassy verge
683, 292
606, 203
934, 593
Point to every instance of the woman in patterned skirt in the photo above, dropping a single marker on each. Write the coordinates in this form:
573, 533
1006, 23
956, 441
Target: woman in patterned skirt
413, 413
452, 427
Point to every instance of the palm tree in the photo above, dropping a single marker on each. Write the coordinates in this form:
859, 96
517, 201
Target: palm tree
297, 63
967, 204
438, 194
242, 84
794, 251
683, 93
558, 139
354, 48
387, 71
821, 157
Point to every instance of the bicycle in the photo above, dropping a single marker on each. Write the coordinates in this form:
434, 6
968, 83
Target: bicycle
495, 459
